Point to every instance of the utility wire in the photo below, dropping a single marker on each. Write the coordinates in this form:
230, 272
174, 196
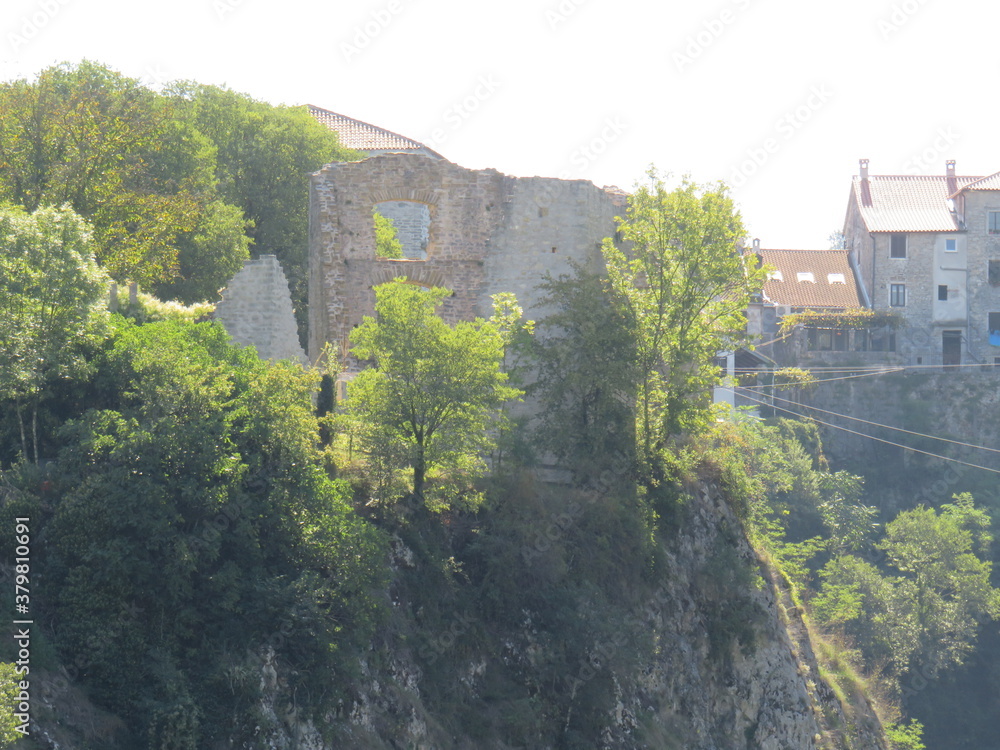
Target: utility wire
872, 437
888, 427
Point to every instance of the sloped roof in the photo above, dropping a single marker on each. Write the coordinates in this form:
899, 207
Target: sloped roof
986, 183
363, 136
909, 203
826, 290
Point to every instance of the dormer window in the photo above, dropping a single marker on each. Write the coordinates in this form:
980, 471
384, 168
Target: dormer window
897, 246
835, 278
806, 276
775, 276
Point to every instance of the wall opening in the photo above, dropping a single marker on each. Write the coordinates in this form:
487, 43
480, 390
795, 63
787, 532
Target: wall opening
402, 229
951, 347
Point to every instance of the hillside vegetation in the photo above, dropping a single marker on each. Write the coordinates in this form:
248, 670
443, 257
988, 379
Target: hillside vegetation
225, 556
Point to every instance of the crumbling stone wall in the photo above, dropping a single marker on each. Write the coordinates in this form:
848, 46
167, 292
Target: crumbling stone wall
256, 309
488, 233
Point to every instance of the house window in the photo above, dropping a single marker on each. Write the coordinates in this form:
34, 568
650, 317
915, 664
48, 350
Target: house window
994, 326
897, 295
951, 246
897, 246
943, 292
994, 222
995, 273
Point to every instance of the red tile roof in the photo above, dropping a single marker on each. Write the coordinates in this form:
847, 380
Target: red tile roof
365, 137
908, 203
832, 287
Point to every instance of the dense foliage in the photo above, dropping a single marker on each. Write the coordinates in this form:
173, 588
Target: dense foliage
682, 287
177, 185
188, 519
432, 397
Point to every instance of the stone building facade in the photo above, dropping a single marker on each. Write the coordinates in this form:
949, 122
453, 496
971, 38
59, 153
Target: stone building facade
488, 233
922, 245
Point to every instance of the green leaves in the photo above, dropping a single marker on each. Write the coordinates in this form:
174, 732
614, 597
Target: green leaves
929, 611
50, 293
432, 398
681, 283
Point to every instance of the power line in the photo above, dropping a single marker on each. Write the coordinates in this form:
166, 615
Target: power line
888, 427
872, 437
830, 380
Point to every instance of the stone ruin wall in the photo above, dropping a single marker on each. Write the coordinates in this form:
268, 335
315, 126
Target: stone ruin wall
488, 233
256, 310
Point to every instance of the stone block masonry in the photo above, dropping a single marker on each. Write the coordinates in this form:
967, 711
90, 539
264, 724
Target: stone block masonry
256, 309
488, 233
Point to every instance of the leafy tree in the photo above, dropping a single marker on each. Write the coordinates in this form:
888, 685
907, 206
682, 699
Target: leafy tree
50, 293
264, 156
9, 691
585, 379
928, 612
195, 503
387, 244
432, 398
682, 285
86, 136
906, 736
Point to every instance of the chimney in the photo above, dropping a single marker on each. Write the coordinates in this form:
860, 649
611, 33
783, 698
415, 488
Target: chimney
756, 245
864, 168
950, 168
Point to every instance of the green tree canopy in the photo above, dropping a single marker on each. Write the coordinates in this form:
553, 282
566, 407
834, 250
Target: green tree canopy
195, 521
927, 612
432, 398
680, 282
50, 303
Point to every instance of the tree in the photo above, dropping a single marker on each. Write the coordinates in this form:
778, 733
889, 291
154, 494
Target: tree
432, 398
50, 294
114, 151
194, 519
928, 613
9, 692
682, 285
387, 244
585, 378
264, 156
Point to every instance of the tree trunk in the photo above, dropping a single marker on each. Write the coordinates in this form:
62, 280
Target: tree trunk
34, 431
24, 439
419, 468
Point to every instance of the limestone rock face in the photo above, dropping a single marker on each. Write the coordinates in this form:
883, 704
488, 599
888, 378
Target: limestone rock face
256, 310
687, 694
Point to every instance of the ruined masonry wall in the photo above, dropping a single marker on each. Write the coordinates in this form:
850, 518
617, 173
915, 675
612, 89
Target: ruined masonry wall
256, 309
488, 233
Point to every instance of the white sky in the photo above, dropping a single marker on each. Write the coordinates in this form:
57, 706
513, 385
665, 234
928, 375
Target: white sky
593, 89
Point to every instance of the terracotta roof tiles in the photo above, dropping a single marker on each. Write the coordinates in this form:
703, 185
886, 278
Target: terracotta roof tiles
832, 285
362, 136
